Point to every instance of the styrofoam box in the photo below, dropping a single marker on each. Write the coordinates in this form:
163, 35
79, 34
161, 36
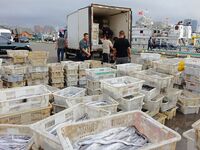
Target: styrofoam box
161, 137
168, 66
111, 106
15, 69
61, 96
134, 102
20, 130
23, 98
188, 109
151, 93
154, 104
100, 73
150, 56
128, 69
38, 69
190, 136
155, 79
41, 130
121, 86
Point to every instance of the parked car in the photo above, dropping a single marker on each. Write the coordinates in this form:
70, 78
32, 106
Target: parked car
7, 44
23, 39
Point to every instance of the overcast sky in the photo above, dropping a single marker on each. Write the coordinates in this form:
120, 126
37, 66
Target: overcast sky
53, 12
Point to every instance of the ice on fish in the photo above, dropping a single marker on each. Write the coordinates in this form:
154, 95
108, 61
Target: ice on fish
14, 142
99, 103
123, 138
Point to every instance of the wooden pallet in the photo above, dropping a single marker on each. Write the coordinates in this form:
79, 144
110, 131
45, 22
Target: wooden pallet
170, 113
160, 118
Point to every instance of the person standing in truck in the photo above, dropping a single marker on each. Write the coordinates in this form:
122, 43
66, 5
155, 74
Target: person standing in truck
84, 45
122, 49
107, 46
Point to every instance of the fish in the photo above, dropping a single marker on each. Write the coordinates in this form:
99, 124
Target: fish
122, 138
14, 142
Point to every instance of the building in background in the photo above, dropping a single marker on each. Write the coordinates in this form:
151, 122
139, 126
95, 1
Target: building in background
194, 24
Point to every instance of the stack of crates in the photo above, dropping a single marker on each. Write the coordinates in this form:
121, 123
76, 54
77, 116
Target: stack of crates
94, 76
1, 82
71, 73
82, 81
56, 75
126, 91
18, 56
128, 69
14, 76
37, 75
24, 105
38, 69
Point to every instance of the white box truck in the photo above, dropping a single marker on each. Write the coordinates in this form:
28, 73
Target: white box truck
91, 20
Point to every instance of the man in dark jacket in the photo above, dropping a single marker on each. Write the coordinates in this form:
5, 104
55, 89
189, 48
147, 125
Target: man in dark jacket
122, 49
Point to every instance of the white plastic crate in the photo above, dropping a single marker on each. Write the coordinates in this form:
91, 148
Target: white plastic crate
189, 99
170, 100
13, 78
42, 130
130, 103
155, 79
192, 71
15, 69
71, 77
31, 82
70, 72
23, 98
188, 109
71, 66
57, 80
192, 62
128, 69
38, 54
83, 65
190, 136
55, 67
92, 84
72, 83
121, 86
61, 96
193, 86
168, 66
150, 56
93, 92
32, 69
38, 62
149, 92
110, 104
154, 104
82, 82
18, 130
161, 137
100, 73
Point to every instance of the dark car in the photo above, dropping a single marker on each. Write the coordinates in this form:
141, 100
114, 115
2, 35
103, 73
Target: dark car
6, 44
23, 39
